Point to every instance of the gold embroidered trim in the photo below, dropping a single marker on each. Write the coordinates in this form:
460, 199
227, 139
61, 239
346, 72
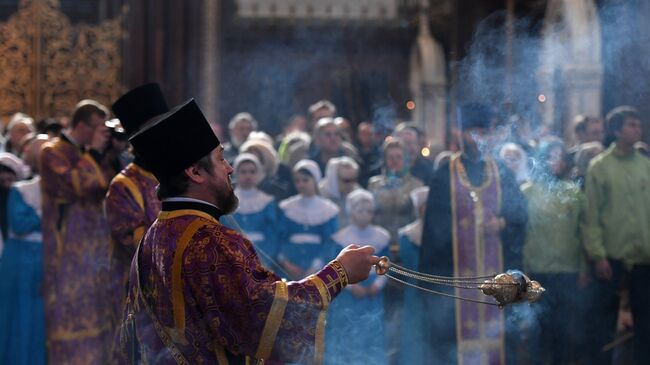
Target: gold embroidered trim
340, 270
178, 300
273, 320
63, 335
181, 212
131, 187
100, 175
222, 359
76, 182
322, 290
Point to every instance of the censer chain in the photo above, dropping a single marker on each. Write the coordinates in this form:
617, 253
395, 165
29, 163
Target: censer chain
441, 293
463, 283
466, 278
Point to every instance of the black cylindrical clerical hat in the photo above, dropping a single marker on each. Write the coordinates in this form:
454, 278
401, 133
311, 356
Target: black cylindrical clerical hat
139, 105
474, 115
172, 142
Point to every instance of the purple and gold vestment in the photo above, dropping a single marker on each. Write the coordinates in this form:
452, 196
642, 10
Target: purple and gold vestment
131, 208
76, 251
198, 294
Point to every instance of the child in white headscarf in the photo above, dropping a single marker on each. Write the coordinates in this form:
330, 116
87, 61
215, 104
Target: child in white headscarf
307, 222
357, 316
257, 211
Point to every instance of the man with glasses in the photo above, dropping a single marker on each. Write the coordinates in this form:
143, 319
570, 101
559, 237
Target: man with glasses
74, 178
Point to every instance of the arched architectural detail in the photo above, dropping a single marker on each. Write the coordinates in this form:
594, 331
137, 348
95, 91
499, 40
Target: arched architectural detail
571, 71
428, 81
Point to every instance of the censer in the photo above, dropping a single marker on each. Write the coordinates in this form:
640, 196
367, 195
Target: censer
510, 287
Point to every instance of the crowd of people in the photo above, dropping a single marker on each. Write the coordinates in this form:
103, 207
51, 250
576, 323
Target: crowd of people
76, 200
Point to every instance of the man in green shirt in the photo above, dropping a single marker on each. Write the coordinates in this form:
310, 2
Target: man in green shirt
617, 233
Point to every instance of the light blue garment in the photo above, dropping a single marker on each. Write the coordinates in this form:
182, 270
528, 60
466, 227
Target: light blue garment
306, 227
257, 215
410, 314
355, 330
22, 322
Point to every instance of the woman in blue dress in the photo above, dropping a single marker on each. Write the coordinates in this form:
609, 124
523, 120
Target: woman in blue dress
257, 211
410, 239
22, 322
307, 222
356, 318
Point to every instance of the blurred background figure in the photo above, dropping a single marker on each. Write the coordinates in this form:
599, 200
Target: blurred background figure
357, 317
22, 315
12, 169
369, 152
257, 213
341, 178
583, 156
391, 190
239, 127
411, 311
553, 253
319, 110
307, 223
19, 126
328, 143
516, 159
413, 138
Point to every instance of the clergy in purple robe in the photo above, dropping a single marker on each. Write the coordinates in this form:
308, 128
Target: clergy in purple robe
474, 225
74, 178
198, 293
131, 202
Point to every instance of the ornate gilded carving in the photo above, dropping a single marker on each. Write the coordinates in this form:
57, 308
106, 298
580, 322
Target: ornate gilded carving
47, 64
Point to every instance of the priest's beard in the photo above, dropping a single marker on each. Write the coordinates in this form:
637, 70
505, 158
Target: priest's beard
228, 201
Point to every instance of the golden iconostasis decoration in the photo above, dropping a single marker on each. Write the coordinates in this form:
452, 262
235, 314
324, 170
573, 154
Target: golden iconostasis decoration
48, 64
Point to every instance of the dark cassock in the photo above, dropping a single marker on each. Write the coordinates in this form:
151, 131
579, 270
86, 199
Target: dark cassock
469, 196
198, 293
131, 203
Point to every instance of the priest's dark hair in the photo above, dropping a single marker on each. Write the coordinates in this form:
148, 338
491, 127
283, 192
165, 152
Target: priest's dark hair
177, 185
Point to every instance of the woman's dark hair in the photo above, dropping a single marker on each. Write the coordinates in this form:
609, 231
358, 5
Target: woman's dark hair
178, 184
541, 170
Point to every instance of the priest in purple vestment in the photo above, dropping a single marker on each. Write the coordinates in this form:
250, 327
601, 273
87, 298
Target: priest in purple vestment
474, 225
198, 293
74, 177
131, 202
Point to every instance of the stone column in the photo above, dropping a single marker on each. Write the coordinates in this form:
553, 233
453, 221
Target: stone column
428, 82
210, 59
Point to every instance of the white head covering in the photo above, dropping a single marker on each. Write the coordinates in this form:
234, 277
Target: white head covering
15, 164
419, 196
259, 135
269, 160
357, 196
249, 157
240, 117
521, 169
330, 183
310, 166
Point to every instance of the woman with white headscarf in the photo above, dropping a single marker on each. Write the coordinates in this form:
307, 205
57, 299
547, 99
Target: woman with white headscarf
357, 317
307, 222
257, 211
277, 177
341, 178
516, 159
